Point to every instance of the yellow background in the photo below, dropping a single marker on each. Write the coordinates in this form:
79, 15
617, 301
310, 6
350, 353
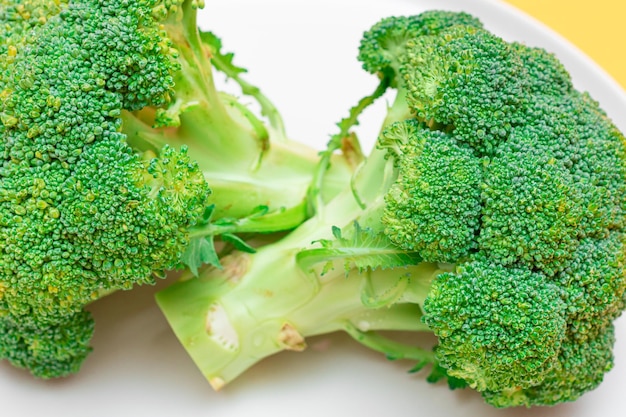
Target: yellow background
597, 27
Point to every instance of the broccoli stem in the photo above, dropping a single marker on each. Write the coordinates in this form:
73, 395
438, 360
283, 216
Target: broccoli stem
259, 305
247, 164
336, 142
392, 349
279, 181
273, 221
199, 104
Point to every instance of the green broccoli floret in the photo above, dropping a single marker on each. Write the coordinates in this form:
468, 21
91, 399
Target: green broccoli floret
386, 42
47, 350
383, 48
468, 80
490, 213
437, 176
580, 368
546, 74
592, 289
120, 160
499, 326
531, 208
592, 308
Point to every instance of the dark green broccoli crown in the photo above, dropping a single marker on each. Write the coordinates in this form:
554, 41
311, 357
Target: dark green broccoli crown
81, 212
434, 206
519, 179
594, 283
576, 134
498, 326
385, 42
598, 154
47, 350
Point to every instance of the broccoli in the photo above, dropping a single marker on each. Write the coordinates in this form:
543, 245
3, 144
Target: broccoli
490, 213
120, 160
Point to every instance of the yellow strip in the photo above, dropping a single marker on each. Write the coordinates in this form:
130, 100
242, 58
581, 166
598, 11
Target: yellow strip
596, 27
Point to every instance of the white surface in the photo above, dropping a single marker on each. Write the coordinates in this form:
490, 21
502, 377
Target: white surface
303, 55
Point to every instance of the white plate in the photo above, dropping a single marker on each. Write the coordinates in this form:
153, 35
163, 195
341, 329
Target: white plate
302, 53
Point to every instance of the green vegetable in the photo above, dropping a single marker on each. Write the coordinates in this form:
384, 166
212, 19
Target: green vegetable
490, 213
120, 160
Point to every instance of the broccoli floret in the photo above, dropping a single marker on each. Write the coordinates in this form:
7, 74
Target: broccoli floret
468, 80
546, 74
498, 326
592, 308
386, 42
580, 368
490, 213
531, 208
120, 160
48, 350
383, 48
436, 175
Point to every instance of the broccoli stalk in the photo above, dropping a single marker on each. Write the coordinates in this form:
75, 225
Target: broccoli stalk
247, 163
490, 213
226, 336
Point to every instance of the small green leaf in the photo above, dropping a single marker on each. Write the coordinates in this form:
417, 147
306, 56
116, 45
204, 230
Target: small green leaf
237, 242
200, 252
439, 373
259, 211
225, 60
362, 248
419, 365
376, 296
208, 214
337, 233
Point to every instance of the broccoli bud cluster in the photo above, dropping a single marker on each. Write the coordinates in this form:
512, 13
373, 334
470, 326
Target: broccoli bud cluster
529, 207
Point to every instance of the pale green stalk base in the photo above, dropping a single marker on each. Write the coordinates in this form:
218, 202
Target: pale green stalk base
259, 305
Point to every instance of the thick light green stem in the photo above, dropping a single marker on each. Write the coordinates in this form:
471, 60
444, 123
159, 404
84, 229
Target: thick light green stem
259, 305
245, 166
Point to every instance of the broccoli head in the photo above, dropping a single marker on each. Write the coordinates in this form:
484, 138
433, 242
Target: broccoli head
120, 160
490, 213
435, 175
